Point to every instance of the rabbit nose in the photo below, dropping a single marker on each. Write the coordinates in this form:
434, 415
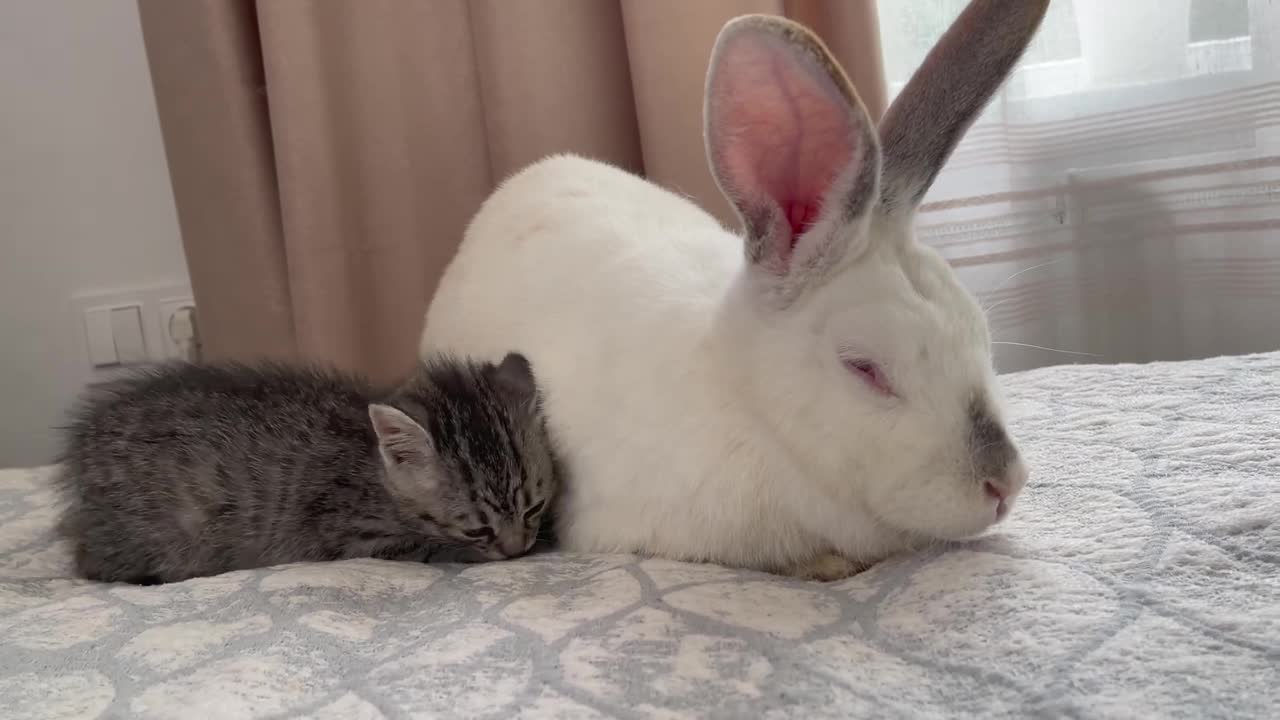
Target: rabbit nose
1016, 476
1004, 488
997, 493
1008, 483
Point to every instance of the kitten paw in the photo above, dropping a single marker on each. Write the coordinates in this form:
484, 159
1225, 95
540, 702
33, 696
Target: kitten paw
828, 567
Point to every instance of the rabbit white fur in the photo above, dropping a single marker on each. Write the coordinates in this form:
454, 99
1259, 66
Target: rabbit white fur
808, 406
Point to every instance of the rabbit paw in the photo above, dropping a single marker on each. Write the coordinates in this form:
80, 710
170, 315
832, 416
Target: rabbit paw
828, 567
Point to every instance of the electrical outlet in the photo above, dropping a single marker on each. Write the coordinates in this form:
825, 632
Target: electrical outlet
109, 341
178, 337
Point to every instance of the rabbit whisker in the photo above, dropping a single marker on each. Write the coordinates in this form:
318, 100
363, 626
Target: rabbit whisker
1041, 347
987, 310
1020, 272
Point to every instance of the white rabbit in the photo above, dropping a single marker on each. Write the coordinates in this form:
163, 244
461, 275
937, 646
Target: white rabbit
808, 406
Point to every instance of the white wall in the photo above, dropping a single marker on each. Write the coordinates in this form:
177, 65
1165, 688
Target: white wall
85, 202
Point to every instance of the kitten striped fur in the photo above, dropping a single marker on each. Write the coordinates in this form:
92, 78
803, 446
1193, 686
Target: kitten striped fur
189, 470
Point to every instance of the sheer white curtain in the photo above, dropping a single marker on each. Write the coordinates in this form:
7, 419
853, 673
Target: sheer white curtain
1121, 197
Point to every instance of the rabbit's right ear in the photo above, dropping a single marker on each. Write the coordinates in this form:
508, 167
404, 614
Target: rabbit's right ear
791, 146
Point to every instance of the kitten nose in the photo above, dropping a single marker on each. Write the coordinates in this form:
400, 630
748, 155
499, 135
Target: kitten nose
512, 543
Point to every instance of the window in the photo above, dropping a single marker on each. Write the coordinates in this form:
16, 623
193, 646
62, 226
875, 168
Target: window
1087, 45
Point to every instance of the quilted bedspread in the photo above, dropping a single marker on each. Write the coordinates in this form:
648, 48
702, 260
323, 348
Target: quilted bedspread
1138, 577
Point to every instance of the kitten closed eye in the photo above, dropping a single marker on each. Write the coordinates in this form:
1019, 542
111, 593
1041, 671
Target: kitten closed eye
532, 513
484, 534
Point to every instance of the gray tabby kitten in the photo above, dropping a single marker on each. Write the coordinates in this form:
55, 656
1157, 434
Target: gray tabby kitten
192, 470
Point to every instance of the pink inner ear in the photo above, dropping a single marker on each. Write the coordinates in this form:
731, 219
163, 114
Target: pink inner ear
800, 216
780, 131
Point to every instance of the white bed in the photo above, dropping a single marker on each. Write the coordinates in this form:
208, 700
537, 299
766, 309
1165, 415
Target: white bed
1139, 577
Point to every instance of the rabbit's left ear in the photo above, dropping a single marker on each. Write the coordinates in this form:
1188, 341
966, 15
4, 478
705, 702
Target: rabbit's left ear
791, 146
948, 92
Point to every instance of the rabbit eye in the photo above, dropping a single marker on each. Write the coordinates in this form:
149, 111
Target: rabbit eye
870, 373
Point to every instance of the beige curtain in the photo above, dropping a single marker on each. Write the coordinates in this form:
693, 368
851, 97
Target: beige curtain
326, 156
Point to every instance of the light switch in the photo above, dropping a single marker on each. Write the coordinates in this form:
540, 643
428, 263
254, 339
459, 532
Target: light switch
126, 331
102, 345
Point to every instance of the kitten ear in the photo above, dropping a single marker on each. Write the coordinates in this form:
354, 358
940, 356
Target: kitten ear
514, 378
401, 440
